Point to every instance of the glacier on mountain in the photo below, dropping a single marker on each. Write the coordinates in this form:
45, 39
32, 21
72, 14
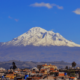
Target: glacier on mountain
37, 36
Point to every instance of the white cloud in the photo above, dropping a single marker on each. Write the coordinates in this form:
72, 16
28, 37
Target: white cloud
48, 5
59, 7
77, 11
16, 20
13, 18
41, 5
10, 17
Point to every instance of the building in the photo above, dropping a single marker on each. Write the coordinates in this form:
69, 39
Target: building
49, 66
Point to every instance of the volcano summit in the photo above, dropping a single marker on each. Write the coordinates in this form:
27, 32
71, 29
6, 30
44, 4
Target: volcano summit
37, 36
38, 44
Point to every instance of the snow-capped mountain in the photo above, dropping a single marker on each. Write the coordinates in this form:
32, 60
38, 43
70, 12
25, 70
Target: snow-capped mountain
40, 37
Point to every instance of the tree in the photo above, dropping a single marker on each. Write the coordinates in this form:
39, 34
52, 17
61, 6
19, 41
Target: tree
14, 66
39, 67
66, 67
73, 64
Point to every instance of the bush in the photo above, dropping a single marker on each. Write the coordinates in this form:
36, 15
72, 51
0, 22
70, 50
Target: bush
51, 73
72, 74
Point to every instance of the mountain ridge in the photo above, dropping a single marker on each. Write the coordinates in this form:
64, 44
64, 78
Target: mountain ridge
31, 64
40, 37
40, 45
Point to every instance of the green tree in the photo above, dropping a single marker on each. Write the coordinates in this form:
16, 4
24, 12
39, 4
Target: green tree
14, 66
39, 67
66, 67
73, 64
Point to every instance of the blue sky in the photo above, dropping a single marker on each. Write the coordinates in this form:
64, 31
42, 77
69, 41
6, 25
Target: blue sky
18, 16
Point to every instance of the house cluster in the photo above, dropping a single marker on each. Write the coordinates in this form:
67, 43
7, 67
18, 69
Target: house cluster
41, 72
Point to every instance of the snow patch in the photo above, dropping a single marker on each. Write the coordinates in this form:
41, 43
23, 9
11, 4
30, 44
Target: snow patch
40, 37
